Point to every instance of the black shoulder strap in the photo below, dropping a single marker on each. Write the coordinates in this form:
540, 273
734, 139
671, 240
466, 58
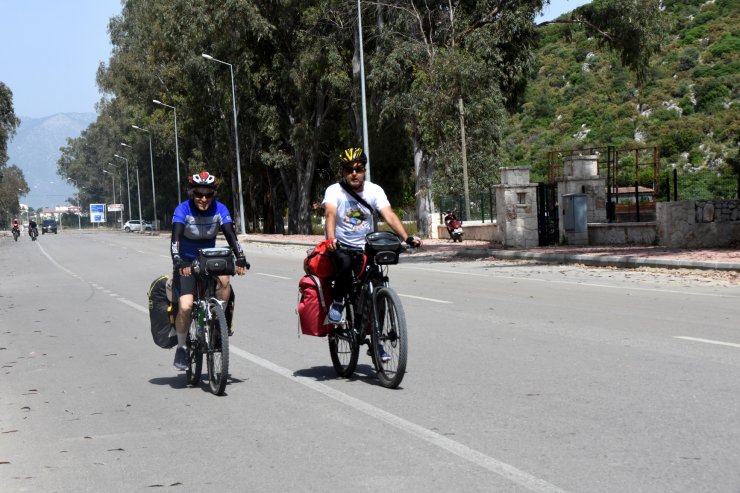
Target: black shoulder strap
357, 197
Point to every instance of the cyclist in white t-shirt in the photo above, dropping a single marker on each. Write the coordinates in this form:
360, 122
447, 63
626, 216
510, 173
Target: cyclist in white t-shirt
348, 221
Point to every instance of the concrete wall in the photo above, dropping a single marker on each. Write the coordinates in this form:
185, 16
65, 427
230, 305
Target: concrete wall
474, 231
698, 223
602, 234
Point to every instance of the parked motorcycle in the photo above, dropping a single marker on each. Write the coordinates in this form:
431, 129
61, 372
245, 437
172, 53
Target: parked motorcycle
454, 227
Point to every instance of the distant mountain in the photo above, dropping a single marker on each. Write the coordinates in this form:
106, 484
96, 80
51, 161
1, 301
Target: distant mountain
35, 150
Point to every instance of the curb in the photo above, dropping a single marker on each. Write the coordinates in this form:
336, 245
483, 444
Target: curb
622, 261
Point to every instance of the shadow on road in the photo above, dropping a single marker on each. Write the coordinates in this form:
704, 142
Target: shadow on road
363, 373
178, 381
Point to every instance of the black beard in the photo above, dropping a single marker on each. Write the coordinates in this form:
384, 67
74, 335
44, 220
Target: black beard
356, 188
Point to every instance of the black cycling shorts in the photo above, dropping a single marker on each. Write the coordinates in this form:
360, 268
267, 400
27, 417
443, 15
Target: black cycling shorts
182, 284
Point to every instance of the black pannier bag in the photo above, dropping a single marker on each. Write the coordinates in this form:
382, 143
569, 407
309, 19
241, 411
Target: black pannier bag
384, 246
162, 314
217, 261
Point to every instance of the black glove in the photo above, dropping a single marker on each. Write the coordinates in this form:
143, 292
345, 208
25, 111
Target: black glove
411, 240
241, 261
178, 263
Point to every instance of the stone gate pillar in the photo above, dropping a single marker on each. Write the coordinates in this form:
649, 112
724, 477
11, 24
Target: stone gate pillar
516, 208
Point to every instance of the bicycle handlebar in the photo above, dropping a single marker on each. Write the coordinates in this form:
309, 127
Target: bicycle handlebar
345, 248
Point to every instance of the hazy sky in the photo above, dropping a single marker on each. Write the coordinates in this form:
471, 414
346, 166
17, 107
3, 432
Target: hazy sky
50, 51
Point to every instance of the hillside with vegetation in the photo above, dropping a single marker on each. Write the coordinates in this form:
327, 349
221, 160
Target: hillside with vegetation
580, 96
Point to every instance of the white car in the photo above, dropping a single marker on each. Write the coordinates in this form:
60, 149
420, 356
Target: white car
135, 225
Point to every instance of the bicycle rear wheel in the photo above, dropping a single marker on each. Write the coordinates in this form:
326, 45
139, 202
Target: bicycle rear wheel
344, 346
195, 357
218, 349
391, 336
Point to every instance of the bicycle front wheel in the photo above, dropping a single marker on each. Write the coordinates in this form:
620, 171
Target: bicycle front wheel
344, 346
389, 339
218, 349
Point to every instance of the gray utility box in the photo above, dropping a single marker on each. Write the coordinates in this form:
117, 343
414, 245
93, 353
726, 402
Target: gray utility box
575, 213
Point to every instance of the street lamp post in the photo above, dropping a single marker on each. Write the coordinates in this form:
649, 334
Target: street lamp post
113, 179
365, 139
236, 143
151, 163
138, 189
177, 151
120, 195
128, 188
79, 208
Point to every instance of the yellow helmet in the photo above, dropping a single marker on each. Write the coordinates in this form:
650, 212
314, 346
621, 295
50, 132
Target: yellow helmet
352, 155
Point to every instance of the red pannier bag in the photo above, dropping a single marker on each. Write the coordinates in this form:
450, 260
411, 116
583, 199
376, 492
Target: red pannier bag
313, 306
318, 263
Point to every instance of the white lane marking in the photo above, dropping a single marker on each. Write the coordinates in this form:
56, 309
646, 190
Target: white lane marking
504, 470
708, 341
423, 299
496, 466
577, 283
272, 275
133, 305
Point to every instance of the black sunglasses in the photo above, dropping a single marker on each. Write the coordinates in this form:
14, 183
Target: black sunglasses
199, 195
356, 169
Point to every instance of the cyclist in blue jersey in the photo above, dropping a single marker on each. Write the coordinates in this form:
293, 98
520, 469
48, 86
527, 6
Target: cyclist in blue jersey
195, 224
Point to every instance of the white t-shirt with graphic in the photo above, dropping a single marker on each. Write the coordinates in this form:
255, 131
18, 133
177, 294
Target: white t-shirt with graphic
354, 220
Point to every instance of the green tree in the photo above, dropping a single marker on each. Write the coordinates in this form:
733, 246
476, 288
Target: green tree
12, 182
8, 121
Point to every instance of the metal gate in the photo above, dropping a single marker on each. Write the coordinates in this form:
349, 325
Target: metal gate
547, 213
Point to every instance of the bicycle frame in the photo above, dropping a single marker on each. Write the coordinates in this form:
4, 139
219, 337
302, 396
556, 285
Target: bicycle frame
362, 291
205, 293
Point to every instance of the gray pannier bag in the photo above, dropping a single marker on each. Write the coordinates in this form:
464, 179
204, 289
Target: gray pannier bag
162, 313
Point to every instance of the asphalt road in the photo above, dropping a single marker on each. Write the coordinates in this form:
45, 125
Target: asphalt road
521, 377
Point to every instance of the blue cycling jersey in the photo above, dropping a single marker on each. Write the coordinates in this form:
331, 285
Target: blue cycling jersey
201, 228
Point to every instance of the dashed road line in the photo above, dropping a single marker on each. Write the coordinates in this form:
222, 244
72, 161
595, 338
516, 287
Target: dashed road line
433, 300
272, 275
708, 341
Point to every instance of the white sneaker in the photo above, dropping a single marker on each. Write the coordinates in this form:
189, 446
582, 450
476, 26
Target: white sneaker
335, 312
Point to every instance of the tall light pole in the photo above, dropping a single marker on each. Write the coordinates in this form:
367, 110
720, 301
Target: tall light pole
128, 187
138, 189
365, 143
23, 194
113, 179
79, 208
236, 143
177, 152
151, 163
120, 194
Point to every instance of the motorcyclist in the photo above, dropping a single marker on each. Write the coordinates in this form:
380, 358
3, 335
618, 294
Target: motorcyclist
32, 228
194, 226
